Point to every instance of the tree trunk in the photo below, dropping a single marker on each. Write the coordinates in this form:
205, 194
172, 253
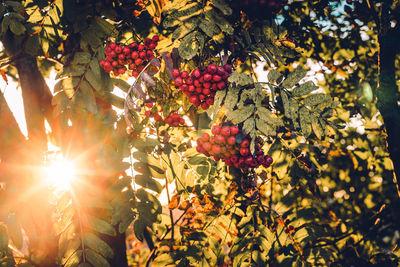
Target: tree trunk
31, 202
389, 39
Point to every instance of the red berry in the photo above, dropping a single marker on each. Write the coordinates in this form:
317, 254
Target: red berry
207, 85
133, 45
178, 81
182, 121
141, 47
118, 49
175, 123
149, 104
249, 160
113, 45
221, 85
210, 101
191, 88
232, 140
219, 139
121, 56
175, 73
147, 41
244, 151
245, 143
211, 68
152, 46
135, 55
207, 146
155, 38
207, 77
215, 129
205, 137
234, 159
138, 61
196, 83
184, 75
216, 149
225, 131
184, 87
268, 159
142, 54
126, 50
121, 70
149, 53
234, 130
228, 68
202, 97
147, 113
189, 81
206, 91
216, 78
158, 117
196, 73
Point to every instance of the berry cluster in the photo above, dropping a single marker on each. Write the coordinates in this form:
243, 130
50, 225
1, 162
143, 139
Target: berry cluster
232, 145
174, 119
201, 85
135, 56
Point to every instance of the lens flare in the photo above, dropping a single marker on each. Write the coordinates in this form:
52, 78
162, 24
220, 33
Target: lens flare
60, 174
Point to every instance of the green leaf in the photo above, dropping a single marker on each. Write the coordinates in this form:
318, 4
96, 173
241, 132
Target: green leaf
189, 46
184, 29
232, 98
240, 79
316, 126
138, 228
221, 5
82, 57
305, 122
249, 125
316, 99
148, 182
285, 102
209, 28
88, 97
74, 259
304, 89
17, 27
240, 115
96, 259
183, 13
269, 117
94, 80
294, 111
294, 77
121, 84
265, 128
98, 245
101, 226
222, 23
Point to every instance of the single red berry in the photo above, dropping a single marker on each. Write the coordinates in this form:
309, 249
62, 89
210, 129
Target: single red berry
184, 75
216, 149
207, 85
225, 131
118, 49
244, 151
232, 140
152, 46
219, 139
205, 137
221, 85
126, 50
184, 87
141, 47
245, 143
147, 113
142, 54
228, 68
135, 73
133, 45
175, 123
178, 81
121, 56
182, 121
147, 41
121, 70
207, 77
168, 120
211, 68
135, 55
215, 129
216, 78
234, 159
191, 88
210, 101
207, 146
113, 54
248, 160
149, 54
206, 91
196, 73
268, 159
138, 61
155, 38
175, 73
197, 83
234, 130
149, 104
204, 105
113, 45
202, 97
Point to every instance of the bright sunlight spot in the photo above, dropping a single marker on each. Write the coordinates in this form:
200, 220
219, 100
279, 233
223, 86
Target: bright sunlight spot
60, 174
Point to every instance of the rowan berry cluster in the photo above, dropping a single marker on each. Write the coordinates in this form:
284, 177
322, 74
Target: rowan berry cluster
173, 119
134, 56
202, 84
229, 143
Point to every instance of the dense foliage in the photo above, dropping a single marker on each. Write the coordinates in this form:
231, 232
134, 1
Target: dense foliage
228, 147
